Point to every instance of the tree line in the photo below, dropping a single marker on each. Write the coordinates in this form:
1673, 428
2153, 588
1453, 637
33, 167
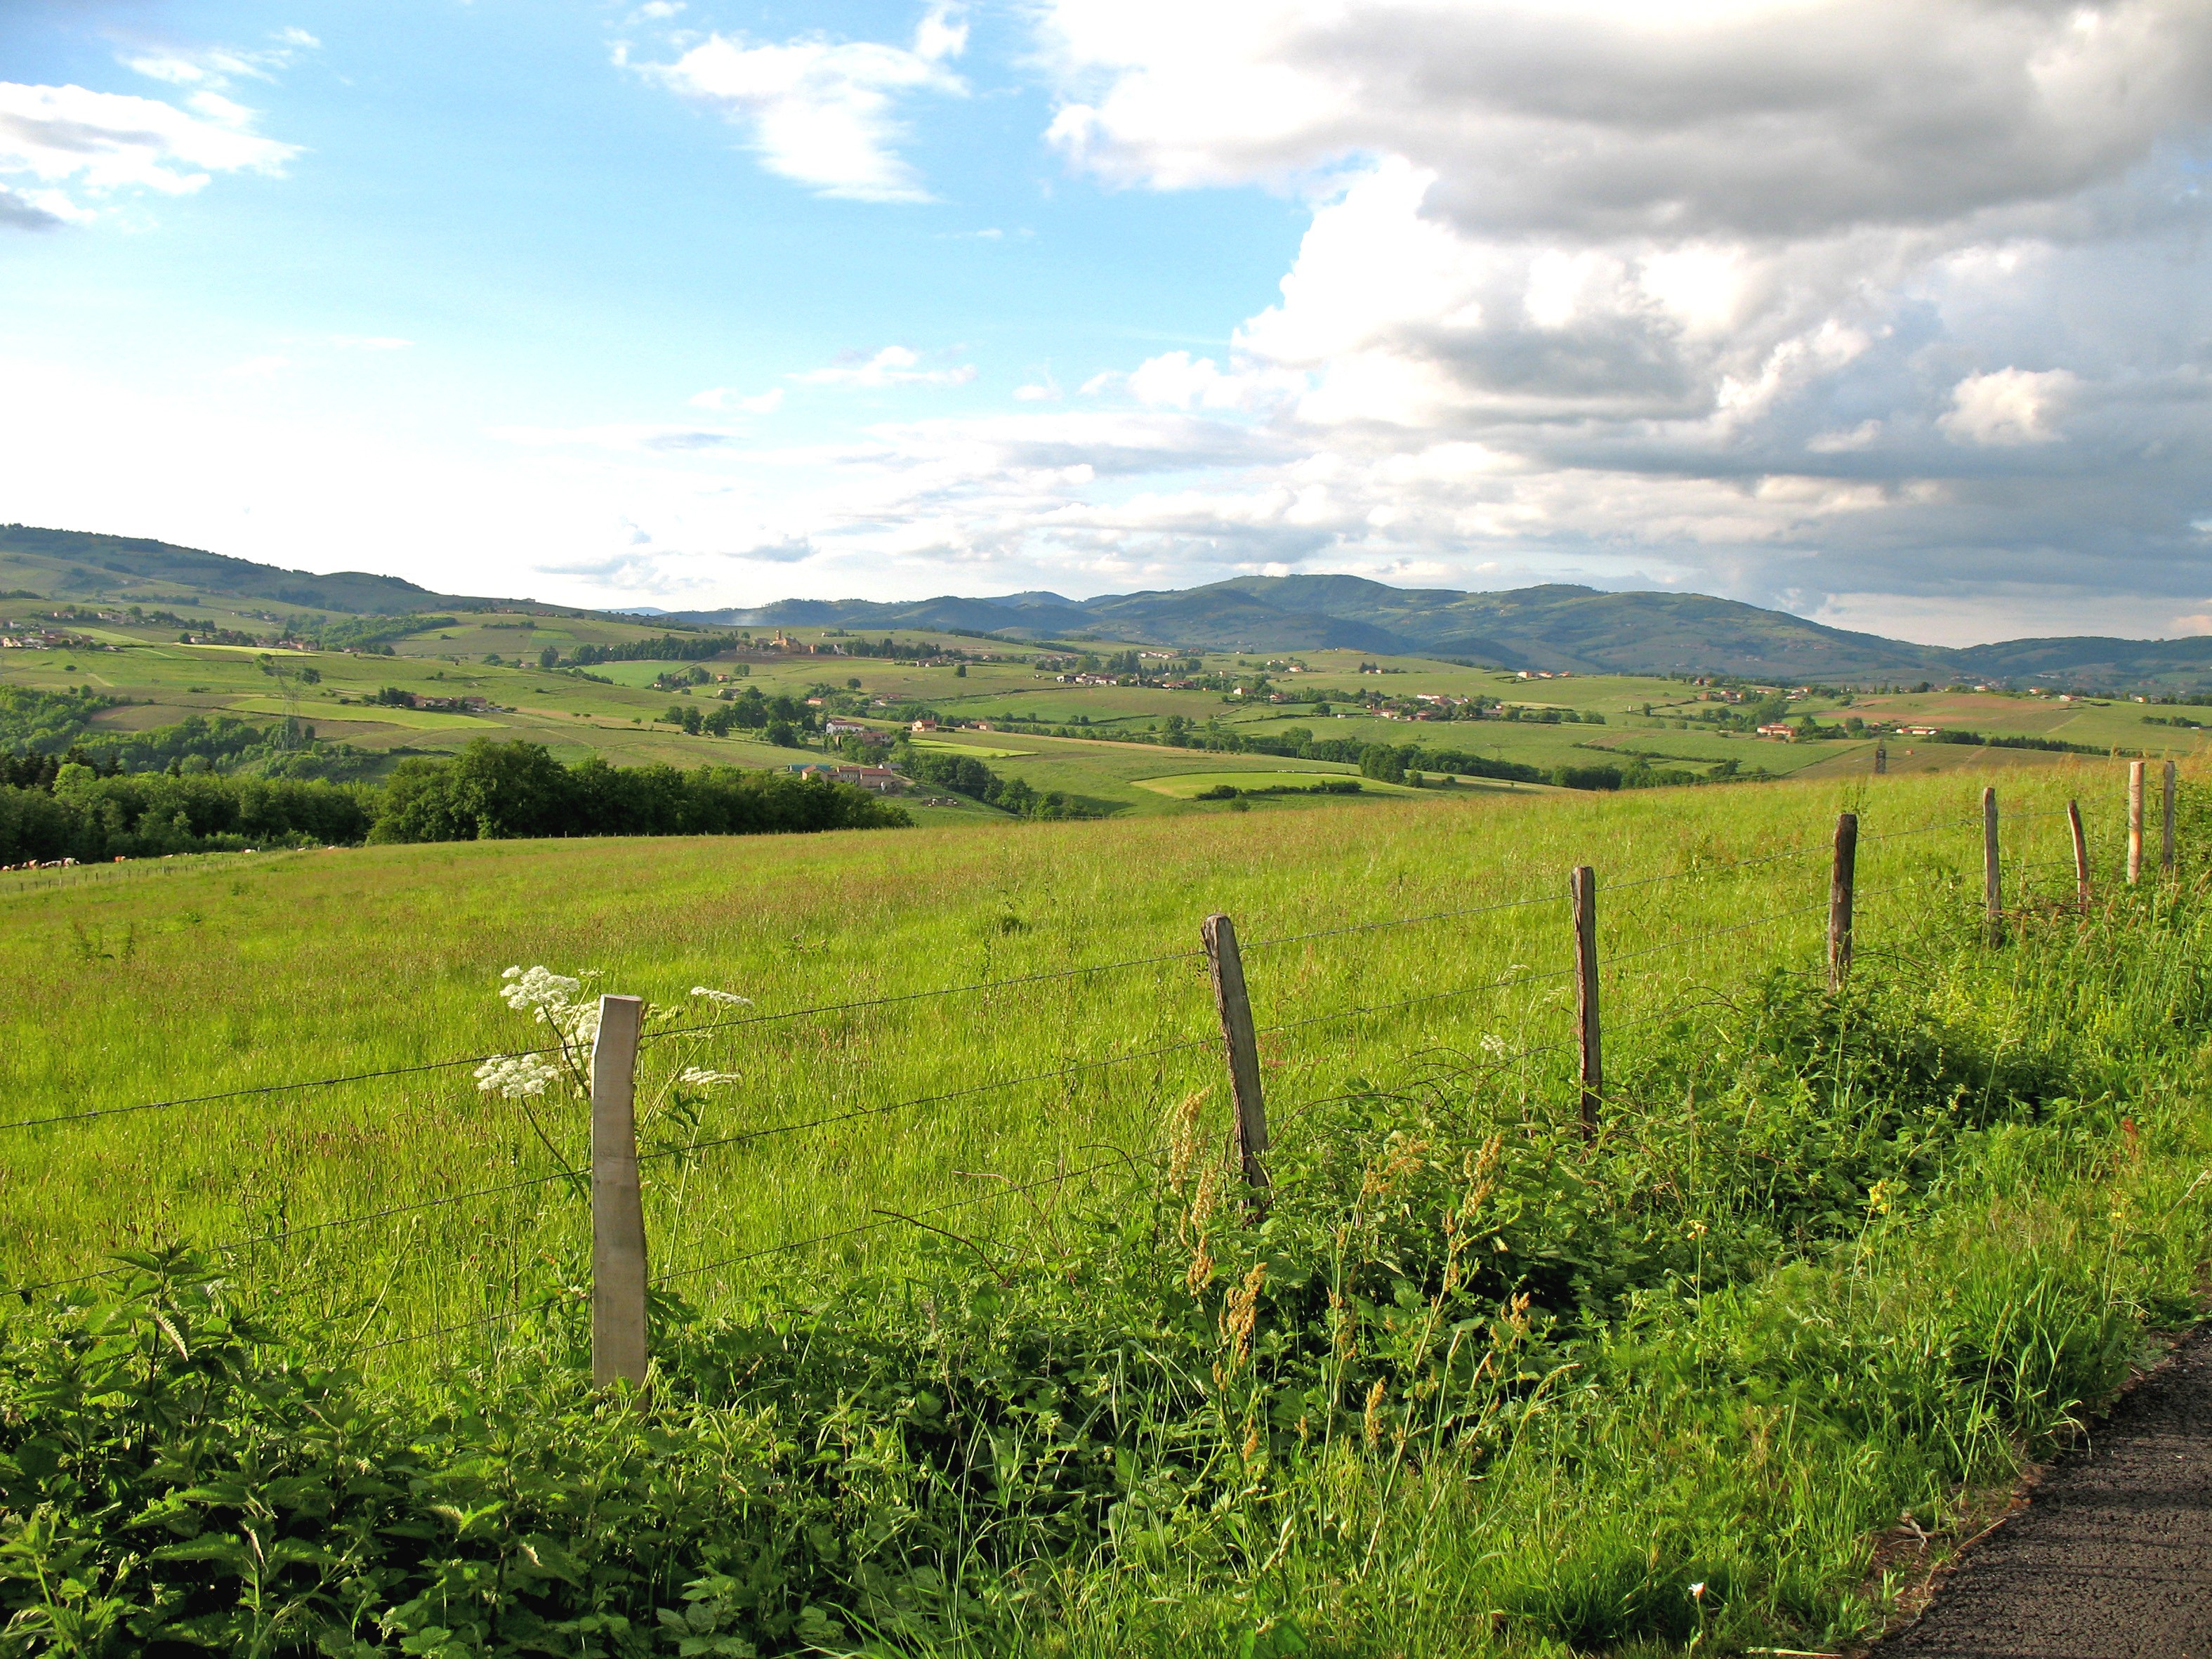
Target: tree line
489, 791
964, 775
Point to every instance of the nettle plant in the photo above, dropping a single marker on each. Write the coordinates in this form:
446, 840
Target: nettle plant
673, 1092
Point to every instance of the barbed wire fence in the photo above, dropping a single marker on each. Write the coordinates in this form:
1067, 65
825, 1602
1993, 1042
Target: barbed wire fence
622, 1287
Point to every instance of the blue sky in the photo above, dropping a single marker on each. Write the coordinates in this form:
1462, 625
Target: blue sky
715, 304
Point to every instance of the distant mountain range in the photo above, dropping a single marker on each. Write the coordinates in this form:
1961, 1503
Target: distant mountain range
1554, 627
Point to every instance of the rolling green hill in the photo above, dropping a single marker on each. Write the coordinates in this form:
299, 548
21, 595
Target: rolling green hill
1555, 626
71, 564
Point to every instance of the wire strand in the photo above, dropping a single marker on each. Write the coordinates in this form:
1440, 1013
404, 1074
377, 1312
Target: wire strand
1406, 922
887, 1220
272, 1089
774, 1130
1408, 1002
832, 1237
917, 996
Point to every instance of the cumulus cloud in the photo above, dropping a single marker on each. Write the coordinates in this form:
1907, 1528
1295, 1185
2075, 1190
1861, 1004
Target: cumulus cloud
64, 151
894, 365
2011, 406
1605, 116
824, 113
1804, 300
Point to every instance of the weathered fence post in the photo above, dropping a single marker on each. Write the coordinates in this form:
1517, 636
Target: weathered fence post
1245, 1088
1840, 885
1583, 885
2135, 821
2081, 854
2166, 825
1992, 890
618, 1352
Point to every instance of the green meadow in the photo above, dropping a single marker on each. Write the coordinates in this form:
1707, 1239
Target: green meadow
960, 1309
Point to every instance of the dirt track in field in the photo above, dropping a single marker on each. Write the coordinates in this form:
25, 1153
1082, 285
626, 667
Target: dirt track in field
2111, 1556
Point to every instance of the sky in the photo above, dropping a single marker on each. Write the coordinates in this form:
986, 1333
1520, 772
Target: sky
1894, 313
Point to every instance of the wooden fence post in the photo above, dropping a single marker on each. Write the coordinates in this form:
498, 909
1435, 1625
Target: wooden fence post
2081, 854
618, 1351
1840, 885
1992, 890
2135, 821
1235, 1006
2166, 825
1583, 885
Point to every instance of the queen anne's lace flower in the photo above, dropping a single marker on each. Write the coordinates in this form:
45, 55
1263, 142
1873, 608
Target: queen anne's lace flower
728, 997
696, 1078
513, 1076
555, 1000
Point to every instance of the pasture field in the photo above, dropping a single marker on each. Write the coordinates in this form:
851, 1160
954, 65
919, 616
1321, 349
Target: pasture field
965, 1344
620, 715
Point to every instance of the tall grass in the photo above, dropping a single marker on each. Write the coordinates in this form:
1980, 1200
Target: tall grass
246, 973
1470, 1386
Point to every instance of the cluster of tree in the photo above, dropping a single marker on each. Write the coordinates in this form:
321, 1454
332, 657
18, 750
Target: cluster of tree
779, 719
500, 791
41, 730
287, 748
964, 775
220, 636
40, 721
669, 647
1322, 786
365, 633
2048, 745
903, 650
83, 815
1391, 762
1397, 764
55, 808
2182, 721
1474, 708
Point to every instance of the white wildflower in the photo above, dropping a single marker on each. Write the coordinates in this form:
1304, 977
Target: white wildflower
540, 988
1494, 1046
513, 1076
553, 999
729, 997
695, 1078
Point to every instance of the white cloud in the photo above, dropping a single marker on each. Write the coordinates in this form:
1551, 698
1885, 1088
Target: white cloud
723, 396
2011, 406
1611, 117
63, 150
1864, 435
1714, 286
824, 113
892, 366
219, 67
